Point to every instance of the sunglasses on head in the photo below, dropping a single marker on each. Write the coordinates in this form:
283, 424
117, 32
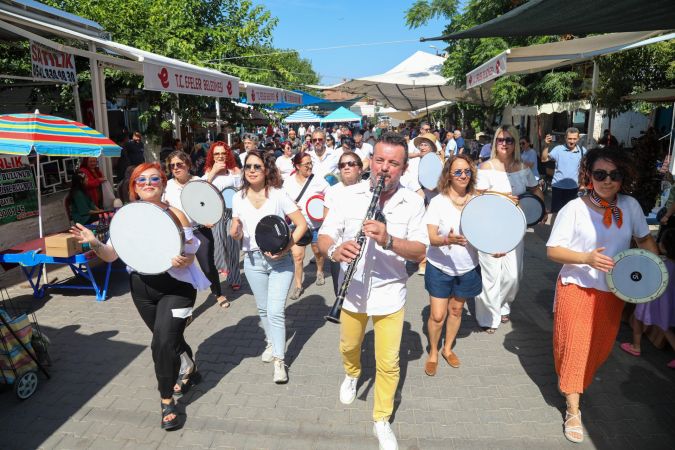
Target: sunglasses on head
601, 175
342, 165
178, 165
458, 173
253, 167
507, 140
154, 180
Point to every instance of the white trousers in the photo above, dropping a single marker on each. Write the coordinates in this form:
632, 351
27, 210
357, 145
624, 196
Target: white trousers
501, 278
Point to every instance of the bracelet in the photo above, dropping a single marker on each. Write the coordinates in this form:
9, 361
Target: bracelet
96, 245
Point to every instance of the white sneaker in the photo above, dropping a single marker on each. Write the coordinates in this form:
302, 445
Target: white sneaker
348, 390
267, 355
383, 433
280, 375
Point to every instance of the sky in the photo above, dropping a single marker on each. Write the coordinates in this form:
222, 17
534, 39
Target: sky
311, 24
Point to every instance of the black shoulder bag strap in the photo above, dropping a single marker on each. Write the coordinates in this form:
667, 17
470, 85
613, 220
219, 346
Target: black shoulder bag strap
304, 188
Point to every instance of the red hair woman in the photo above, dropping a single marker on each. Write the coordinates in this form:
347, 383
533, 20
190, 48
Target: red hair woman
93, 179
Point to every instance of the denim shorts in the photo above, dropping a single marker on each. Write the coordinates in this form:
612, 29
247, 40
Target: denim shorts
441, 285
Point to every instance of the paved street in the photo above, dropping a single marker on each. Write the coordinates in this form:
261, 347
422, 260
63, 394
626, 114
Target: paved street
102, 393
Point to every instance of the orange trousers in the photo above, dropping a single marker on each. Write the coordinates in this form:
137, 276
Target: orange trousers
585, 324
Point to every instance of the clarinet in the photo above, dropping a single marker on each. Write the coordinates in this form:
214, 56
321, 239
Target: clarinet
334, 313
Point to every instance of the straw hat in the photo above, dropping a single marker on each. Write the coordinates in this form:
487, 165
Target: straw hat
429, 138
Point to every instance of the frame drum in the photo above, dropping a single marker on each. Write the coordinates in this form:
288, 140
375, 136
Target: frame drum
638, 276
202, 202
533, 208
430, 169
146, 237
492, 223
331, 179
314, 207
228, 196
272, 234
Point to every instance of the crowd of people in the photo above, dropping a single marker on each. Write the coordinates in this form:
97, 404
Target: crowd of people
280, 173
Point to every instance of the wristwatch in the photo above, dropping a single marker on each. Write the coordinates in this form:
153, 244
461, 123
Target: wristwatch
331, 252
389, 244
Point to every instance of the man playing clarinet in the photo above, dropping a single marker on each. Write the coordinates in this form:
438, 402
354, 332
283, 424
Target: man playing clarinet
377, 288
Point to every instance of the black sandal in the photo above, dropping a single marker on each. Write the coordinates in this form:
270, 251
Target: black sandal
167, 410
185, 381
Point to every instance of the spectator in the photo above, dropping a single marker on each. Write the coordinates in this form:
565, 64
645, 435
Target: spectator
81, 208
608, 140
198, 158
132, 154
459, 140
92, 180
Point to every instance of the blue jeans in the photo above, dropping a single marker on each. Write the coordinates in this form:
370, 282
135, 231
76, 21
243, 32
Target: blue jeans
270, 281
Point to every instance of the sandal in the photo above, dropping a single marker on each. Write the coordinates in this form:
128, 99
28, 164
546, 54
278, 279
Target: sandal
571, 430
628, 348
168, 410
489, 330
189, 376
505, 318
223, 302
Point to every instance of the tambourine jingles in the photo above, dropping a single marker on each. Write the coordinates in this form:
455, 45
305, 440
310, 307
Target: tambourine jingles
493, 223
146, 237
638, 276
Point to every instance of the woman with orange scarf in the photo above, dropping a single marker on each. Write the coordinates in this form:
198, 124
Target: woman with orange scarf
588, 232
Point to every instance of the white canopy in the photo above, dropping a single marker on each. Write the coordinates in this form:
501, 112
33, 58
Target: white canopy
413, 84
412, 115
655, 96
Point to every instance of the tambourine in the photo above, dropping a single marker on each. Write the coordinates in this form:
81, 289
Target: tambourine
533, 207
430, 169
314, 207
638, 276
228, 196
202, 202
493, 223
272, 234
146, 237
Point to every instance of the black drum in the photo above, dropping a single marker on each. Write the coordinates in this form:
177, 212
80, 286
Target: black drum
533, 208
272, 234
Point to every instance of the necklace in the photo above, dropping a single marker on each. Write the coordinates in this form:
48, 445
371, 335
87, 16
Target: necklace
458, 204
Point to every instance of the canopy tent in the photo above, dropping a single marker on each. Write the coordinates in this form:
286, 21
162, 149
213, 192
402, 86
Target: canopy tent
340, 115
577, 17
305, 99
656, 96
413, 84
303, 115
413, 115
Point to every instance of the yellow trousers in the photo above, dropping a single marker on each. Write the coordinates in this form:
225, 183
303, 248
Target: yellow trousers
388, 331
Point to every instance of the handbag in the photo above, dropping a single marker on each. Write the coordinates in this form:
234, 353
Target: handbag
306, 238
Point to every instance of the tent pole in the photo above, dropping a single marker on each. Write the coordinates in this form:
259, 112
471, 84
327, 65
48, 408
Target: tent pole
591, 113
218, 127
76, 101
670, 141
39, 196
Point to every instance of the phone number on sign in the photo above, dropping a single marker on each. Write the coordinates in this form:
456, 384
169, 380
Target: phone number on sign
54, 74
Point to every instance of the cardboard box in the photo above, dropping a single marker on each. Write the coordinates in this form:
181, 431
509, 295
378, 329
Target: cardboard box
62, 245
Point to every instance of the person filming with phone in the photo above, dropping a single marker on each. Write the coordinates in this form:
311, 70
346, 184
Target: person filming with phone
567, 156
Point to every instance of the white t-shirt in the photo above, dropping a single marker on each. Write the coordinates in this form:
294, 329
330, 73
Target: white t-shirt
172, 195
317, 186
514, 183
224, 181
278, 203
325, 164
450, 148
333, 192
285, 166
409, 181
454, 259
378, 286
580, 228
366, 150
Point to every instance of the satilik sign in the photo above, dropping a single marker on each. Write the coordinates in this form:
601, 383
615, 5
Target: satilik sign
18, 194
50, 64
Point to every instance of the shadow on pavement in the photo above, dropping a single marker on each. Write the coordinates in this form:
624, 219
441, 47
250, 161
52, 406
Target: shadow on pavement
82, 365
303, 318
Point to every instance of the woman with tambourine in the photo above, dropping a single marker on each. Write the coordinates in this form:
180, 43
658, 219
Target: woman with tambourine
351, 168
504, 173
164, 301
300, 187
452, 274
178, 164
221, 170
588, 232
268, 275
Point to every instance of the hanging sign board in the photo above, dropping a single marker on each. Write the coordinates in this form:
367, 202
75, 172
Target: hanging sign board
496, 67
293, 98
50, 64
157, 77
265, 95
18, 194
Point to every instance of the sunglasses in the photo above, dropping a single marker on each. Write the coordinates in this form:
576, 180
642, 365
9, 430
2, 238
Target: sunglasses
342, 165
458, 173
508, 140
153, 180
253, 167
178, 165
317, 140
601, 175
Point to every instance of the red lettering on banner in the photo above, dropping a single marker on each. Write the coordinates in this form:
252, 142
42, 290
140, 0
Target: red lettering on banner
164, 77
10, 162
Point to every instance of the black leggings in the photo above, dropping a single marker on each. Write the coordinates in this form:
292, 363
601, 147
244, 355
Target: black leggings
157, 297
206, 259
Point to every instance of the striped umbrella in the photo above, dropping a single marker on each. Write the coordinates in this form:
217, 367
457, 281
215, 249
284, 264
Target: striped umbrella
20, 134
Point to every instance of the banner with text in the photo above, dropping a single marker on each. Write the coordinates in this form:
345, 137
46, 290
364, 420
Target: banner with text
293, 98
168, 79
259, 94
50, 64
18, 192
492, 69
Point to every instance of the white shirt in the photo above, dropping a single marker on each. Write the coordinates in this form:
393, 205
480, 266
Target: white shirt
514, 183
301, 131
224, 181
285, 166
366, 150
378, 286
450, 259
172, 195
579, 228
278, 203
317, 186
325, 164
450, 147
333, 192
